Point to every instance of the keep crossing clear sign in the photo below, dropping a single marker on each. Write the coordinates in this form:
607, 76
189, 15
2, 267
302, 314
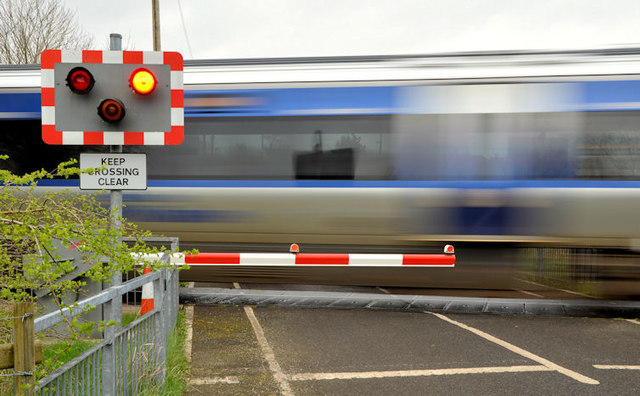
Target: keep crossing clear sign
113, 171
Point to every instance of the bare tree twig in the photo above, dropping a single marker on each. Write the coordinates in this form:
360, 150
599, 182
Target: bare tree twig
28, 27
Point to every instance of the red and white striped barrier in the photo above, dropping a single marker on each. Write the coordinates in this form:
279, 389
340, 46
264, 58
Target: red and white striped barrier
447, 259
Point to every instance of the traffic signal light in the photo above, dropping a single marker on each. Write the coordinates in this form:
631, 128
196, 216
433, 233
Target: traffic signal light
111, 110
112, 97
80, 80
142, 81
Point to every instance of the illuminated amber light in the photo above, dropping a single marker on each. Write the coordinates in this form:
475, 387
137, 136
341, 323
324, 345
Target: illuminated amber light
142, 81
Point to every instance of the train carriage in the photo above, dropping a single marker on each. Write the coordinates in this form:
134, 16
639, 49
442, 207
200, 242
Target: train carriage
538, 148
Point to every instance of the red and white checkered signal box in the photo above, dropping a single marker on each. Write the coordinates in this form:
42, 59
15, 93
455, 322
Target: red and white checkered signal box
112, 97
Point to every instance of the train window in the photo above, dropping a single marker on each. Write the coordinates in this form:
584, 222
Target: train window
540, 145
275, 148
485, 146
610, 146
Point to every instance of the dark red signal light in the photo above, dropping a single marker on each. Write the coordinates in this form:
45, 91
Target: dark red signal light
111, 110
80, 80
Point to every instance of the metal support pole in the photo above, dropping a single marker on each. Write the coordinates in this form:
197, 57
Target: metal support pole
113, 309
175, 295
160, 330
109, 350
155, 13
115, 44
172, 292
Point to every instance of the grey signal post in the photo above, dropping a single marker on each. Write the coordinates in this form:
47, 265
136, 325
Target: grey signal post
115, 44
113, 310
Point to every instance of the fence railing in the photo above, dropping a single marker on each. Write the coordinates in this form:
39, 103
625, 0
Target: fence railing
125, 357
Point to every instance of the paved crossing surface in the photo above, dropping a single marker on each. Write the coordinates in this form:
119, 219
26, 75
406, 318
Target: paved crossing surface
294, 351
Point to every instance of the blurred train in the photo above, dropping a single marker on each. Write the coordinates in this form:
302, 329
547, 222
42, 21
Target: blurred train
528, 148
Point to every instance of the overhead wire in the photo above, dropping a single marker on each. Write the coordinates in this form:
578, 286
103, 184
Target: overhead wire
184, 28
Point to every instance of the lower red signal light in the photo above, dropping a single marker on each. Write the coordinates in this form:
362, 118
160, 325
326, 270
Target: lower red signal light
111, 110
80, 80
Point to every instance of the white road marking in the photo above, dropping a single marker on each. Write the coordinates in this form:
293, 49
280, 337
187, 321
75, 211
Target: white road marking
530, 293
569, 373
415, 373
214, 380
577, 293
269, 356
562, 290
383, 290
634, 321
188, 319
616, 367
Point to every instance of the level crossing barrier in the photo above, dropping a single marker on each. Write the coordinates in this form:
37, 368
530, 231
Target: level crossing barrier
445, 259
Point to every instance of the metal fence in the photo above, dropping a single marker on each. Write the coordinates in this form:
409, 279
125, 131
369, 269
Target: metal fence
125, 357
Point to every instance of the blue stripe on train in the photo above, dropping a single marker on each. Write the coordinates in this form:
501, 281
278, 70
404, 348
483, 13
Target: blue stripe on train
248, 103
610, 95
593, 96
290, 102
20, 105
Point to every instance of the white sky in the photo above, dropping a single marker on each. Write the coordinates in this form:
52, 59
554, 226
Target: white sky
283, 28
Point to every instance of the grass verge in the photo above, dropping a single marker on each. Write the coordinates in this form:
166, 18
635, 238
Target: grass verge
177, 365
55, 355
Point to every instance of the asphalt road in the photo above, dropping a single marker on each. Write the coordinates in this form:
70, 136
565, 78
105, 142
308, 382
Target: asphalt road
292, 351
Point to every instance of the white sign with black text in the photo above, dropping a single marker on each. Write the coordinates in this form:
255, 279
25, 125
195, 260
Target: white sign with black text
113, 171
